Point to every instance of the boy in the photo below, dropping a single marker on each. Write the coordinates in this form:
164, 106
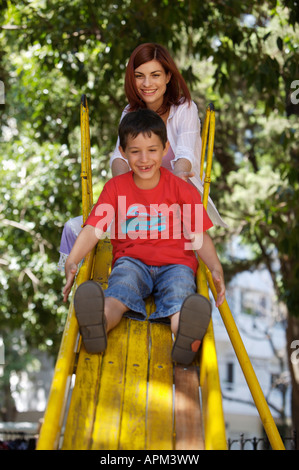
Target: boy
152, 215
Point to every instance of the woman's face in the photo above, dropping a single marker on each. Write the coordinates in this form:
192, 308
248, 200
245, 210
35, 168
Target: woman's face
151, 80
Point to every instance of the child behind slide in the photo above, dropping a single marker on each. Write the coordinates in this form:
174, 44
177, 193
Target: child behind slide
157, 223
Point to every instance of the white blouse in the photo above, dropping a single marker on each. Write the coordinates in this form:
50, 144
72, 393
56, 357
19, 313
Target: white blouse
184, 135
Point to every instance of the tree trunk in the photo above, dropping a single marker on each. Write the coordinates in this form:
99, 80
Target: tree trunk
8, 411
293, 358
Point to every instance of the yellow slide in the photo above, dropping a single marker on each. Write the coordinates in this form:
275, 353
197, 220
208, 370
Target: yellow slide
132, 396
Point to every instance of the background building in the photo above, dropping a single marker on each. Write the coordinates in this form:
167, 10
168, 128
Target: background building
260, 321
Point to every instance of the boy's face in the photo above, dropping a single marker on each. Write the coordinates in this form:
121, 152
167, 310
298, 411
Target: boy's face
144, 154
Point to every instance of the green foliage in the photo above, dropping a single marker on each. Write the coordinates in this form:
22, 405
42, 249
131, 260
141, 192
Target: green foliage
37, 183
264, 204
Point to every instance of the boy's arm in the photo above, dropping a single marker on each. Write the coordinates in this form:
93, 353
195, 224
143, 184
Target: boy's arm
86, 241
209, 256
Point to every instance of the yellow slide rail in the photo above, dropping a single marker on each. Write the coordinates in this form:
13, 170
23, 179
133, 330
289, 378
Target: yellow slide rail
212, 409
86, 173
229, 322
54, 416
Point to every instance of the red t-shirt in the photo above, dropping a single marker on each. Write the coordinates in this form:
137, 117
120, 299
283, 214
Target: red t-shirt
151, 225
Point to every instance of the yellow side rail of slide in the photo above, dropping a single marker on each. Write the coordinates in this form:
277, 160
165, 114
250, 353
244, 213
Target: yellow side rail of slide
54, 415
212, 409
227, 317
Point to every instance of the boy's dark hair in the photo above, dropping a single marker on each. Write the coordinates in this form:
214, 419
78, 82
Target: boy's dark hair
143, 121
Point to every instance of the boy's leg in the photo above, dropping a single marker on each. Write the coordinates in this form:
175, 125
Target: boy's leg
189, 312
114, 310
174, 322
128, 284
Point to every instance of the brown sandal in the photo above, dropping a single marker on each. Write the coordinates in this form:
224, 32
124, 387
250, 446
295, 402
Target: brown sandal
89, 304
194, 320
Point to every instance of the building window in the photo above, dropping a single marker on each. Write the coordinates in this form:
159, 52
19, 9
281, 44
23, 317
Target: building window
230, 375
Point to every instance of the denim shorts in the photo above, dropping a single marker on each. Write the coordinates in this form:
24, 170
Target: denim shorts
132, 281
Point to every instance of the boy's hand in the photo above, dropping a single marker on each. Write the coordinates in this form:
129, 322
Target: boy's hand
183, 168
219, 286
70, 273
185, 175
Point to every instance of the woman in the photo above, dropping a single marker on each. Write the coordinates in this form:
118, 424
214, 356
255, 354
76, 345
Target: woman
153, 81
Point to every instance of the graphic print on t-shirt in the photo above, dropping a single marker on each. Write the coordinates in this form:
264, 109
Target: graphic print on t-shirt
157, 221
140, 218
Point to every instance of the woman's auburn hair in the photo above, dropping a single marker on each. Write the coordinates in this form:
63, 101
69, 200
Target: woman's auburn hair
177, 90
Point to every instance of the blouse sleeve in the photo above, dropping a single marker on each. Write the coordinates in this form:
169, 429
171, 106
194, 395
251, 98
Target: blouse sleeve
184, 131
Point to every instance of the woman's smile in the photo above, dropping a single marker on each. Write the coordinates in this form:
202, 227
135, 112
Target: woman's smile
151, 82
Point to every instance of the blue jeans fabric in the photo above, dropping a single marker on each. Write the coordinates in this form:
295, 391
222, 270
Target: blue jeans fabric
132, 281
